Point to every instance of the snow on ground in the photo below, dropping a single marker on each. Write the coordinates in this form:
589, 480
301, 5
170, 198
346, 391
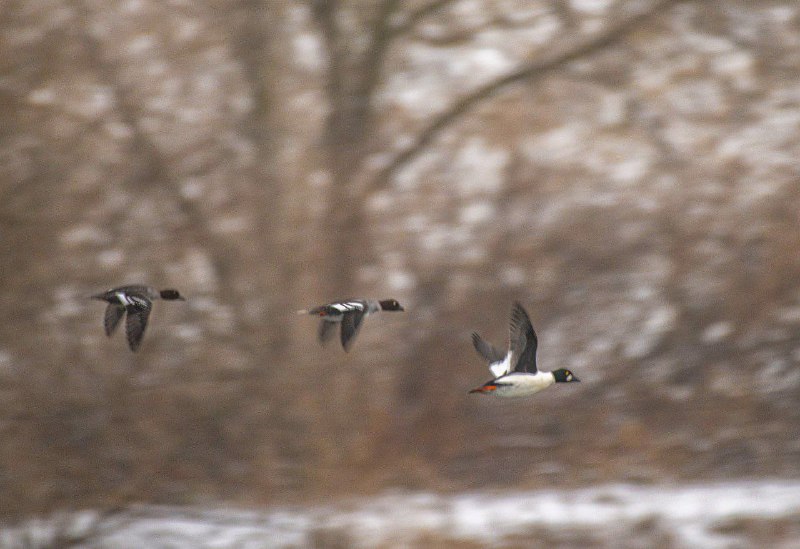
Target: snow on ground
691, 516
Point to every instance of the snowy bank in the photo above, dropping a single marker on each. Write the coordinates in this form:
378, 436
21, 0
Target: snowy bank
707, 515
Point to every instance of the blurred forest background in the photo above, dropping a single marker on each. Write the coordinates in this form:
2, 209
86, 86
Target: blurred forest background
627, 169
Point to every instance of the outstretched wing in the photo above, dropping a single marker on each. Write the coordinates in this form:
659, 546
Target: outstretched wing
351, 322
499, 364
522, 341
135, 325
486, 350
114, 313
325, 331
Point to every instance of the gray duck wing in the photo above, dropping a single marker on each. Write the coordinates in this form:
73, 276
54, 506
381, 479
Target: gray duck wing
351, 323
114, 314
487, 350
135, 325
522, 340
325, 331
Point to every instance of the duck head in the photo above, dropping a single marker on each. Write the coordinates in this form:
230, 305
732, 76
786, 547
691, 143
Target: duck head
563, 375
390, 305
171, 295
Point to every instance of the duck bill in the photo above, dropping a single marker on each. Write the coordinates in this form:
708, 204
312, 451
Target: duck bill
484, 389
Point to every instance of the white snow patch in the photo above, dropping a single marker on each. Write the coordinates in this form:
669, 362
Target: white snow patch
775, 376
591, 7
789, 315
716, 332
231, 224
140, 44
118, 130
512, 276
559, 145
698, 97
782, 14
198, 267
99, 100
308, 51
156, 67
381, 201
416, 223
189, 333
613, 513
84, 234
401, 280
473, 214
192, 188
479, 167
42, 96
133, 6
489, 61
737, 65
66, 302
188, 29
613, 110
110, 258
191, 115
630, 170
661, 321
319, 179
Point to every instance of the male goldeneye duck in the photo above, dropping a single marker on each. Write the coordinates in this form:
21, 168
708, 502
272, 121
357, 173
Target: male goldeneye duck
137, 301
349, 313
515, 373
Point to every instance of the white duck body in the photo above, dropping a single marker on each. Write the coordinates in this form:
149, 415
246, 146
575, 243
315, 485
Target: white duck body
521, 384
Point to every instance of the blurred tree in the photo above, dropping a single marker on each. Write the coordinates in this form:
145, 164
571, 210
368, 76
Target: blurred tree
265, 156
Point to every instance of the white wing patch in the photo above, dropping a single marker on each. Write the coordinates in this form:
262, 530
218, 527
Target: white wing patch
122, 298
501, 368
347, 306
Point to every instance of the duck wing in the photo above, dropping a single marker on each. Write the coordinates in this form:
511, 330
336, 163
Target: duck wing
135, 325
498, 361
522, 341
325, 331
486, 350
351, 323
114, 314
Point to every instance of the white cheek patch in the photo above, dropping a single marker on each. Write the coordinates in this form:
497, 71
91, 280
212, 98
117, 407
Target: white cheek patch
569, 377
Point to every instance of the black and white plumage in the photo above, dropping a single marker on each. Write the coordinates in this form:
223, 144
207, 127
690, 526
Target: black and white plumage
349, 314
137, 301
515, 372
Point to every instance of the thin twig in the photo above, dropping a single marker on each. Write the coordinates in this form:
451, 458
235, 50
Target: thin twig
534, 69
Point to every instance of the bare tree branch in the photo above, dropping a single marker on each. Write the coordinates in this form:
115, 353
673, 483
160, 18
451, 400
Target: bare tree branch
371, 73
535, 69
153, 168
415, 17
324, 12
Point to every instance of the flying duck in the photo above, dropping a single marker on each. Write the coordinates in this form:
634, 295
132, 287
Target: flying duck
349, 313
137, 301
515, 373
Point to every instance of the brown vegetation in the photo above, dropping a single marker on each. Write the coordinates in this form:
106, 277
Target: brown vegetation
628, 171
